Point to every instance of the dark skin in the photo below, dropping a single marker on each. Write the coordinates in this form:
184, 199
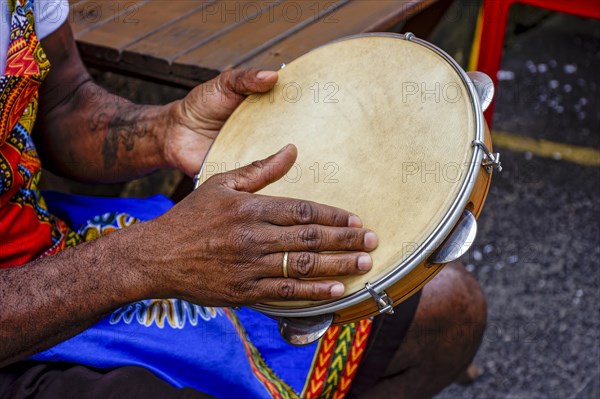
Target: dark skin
221, 246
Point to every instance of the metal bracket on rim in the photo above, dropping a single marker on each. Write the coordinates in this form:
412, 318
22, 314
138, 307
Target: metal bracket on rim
383, 301
409, 36
484, 87
197, 180
304, 330
491, 161
458, 241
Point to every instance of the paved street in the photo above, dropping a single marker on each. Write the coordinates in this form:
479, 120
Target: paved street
538, 247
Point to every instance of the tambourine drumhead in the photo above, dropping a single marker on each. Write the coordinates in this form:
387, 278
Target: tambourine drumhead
384, 128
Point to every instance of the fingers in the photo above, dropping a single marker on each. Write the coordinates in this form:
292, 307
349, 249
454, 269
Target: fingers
276, 289
311, 265
259, 174
290, 212
246, 81
315, 238
304, 265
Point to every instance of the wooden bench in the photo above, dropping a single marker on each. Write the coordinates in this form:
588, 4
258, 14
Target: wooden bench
186, 42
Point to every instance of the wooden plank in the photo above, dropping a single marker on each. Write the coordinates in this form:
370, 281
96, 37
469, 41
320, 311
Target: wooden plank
353, 18
157, 51
108, 40
75, 2
82, 15
172, 42
146, 74
88, 14
246, 40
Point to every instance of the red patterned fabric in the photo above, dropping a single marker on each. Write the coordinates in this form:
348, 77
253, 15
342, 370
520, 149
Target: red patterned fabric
27, 230
336, 360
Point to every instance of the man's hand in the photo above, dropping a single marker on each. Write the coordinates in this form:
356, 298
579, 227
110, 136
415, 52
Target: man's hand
220, 246
198, 118
224, 245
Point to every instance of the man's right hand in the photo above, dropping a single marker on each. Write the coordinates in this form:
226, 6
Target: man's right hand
221, 246
224, 245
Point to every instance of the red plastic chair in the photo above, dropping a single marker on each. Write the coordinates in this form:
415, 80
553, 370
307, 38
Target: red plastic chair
493, 29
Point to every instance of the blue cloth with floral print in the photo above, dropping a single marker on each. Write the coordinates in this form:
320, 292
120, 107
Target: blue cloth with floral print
226, 353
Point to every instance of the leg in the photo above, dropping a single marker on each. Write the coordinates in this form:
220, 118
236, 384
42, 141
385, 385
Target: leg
69, 381
442, 340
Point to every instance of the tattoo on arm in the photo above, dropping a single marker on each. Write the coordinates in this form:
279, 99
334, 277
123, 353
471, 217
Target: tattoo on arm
124, 127
123, 124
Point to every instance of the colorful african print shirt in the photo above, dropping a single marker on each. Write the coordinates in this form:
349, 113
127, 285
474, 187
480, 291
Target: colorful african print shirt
226, 353
28, 230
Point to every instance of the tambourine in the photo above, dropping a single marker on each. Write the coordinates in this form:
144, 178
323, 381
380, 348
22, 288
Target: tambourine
389, 127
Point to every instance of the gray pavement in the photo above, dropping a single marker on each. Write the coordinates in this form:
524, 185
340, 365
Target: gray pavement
537, 251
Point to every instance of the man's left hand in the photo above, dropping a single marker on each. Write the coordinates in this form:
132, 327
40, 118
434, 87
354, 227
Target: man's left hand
198, 118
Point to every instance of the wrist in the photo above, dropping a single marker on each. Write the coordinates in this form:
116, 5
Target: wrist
136, 263
162, 121
171, 122
187, 139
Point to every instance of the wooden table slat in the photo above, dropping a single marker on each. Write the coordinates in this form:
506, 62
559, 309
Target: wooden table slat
109, 39
189, 41
80, 13
89, 14
158, 50
355, 17
246, 40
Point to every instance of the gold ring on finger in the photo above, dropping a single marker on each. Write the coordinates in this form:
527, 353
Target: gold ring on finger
285, 264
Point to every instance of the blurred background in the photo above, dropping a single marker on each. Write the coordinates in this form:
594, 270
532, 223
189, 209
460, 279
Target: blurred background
538, 247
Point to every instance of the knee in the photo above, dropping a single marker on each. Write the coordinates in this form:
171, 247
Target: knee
470, 316
453, 307
443, 337
461, 296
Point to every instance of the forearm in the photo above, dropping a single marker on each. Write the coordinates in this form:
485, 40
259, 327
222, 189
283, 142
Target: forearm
86, 133
95, 136
49, 300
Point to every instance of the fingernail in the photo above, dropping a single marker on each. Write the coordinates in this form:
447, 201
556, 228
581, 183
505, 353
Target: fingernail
364, 263
354, 221
264, 75
371, 240
283, 149
337, 290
